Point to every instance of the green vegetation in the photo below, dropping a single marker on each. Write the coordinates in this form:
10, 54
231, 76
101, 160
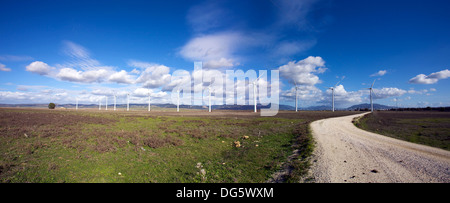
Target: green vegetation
92, 146
427, 127
51, 106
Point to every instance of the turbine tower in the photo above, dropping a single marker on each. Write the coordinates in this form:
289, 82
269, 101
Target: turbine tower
371, 97
209, 89
149, 100
128, 101
254, 90
115, 96
296, 97
106, 104
100, 104
178, 101
332, 94
76, 106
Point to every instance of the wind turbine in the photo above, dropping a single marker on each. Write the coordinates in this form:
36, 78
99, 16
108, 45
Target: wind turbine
100, 104
254, 90
209, 89
106, 104
128, 101
149, 100
332, 94
115, 96
76, 106
178, 102
296, 96
371, 97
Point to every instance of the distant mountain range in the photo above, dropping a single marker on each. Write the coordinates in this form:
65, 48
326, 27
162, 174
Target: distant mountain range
220, 107
367, 106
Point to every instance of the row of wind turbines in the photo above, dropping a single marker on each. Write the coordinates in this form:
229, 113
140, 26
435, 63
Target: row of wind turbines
332, 96
115, 99
254, 83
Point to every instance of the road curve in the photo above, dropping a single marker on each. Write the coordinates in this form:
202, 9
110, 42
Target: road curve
345, 153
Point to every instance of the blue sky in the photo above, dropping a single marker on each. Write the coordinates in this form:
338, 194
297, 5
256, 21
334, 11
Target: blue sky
56, 51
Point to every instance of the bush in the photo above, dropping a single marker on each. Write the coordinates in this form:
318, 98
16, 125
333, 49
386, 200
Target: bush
51, 106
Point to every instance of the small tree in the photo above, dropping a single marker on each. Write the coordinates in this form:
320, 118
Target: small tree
51, 106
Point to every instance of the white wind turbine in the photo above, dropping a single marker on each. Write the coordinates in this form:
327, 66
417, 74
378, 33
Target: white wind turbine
100, 104
115, 96
332, 94
106, 104
209, 90
254, 90
128, 101
149, 100
76, 106
371, 97
178, 101
296, 96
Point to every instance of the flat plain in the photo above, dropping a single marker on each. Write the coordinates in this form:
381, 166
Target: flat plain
88, 145
430, 128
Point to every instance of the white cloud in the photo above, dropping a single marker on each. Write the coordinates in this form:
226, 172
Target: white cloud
430, 79
342, 96
4, 68
303, 72
81, 68
305, 93
387, 92
152, 75
379, 73
423, 91
213, 46
221, 63
121, 77
72, 75
39, 67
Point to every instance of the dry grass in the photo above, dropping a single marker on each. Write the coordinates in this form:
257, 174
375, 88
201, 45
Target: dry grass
424, 127
40, 145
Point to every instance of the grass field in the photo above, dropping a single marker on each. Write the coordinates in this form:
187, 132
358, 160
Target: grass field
423, 127
41, 145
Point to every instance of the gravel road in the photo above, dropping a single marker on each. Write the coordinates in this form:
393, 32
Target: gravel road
345, 153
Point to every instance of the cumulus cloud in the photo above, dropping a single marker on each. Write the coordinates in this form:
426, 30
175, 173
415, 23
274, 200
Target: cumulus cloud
430, 79
81, 68
387, 92
152, 75
72, 75
342, 96
304, 71
305, 94
379, 73
39, 67
121, 77
4, 68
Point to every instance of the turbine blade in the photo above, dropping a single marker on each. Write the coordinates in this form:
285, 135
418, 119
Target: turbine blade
259, 77
374, 93
373, 83
339, 81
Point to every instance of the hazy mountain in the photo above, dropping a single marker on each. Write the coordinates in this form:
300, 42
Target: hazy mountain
367, 106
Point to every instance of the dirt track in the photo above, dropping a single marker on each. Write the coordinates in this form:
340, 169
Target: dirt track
345, 153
